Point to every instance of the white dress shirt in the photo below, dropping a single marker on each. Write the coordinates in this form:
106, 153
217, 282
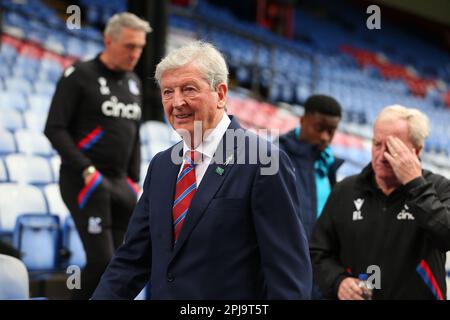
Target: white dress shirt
207, 148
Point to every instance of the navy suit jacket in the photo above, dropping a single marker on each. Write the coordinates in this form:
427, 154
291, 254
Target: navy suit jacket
242, 237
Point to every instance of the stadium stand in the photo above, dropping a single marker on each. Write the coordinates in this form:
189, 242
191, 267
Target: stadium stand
271, 76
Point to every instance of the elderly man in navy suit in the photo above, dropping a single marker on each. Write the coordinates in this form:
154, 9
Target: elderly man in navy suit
217, 218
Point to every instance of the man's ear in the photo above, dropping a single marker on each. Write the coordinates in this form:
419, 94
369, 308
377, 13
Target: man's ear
418, 151
107, 40
222, 90
302, 120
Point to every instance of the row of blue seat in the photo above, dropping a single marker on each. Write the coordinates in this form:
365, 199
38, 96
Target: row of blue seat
46, 243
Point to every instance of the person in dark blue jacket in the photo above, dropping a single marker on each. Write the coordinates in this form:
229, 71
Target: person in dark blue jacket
308, 148
315, 165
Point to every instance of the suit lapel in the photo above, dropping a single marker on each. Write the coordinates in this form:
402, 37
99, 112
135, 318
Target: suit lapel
212, 180
166, 190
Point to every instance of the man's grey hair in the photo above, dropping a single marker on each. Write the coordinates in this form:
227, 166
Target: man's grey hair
203, 55
418, 122
125, 19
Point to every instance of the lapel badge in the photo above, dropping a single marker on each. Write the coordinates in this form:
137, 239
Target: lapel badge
229, 159
220, 170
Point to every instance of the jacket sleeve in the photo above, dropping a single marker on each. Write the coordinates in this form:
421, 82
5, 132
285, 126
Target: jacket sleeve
281, 237
63, 107
324, 250
130, 268
134, 166
429, 203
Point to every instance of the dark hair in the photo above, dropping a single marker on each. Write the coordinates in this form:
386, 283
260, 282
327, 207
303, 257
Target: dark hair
323, 104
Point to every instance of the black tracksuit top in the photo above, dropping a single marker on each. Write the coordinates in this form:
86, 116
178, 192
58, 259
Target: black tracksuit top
405, 234
94, 120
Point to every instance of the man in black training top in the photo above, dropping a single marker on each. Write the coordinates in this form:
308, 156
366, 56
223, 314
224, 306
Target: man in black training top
94, 125
391, 221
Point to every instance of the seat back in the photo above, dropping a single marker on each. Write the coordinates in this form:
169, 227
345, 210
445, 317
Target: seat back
17, 199
11, 120
3, 172
7, 142
72, 242
29, 169
14, 283
33, 143
55, 202
36, 236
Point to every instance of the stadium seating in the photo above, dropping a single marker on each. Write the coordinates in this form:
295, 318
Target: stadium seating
55, 203
7, 142
12, 100
72, 243
55, 163
18, 199
3, 173
29, 169
13, 279
37, 237
331, 54
33, 143
11, 120
34, 121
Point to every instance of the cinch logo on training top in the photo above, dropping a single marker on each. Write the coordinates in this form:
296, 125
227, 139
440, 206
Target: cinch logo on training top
358, 205
114, 108
404, 214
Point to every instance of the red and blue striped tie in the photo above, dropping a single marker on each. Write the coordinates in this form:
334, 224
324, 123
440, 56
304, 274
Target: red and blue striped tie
184, 192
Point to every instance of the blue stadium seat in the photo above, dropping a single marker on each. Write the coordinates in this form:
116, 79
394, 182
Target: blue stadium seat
34, 121
156, 147
45, 87
5, 70
33, 143
13, 100
17, 199
7, 142
11, 120
55, 202
39, 102
72, 242
3, 172
145, 152
14, 283
37, 237
19, 84
157, 131
25, 72
29, 169
55, 164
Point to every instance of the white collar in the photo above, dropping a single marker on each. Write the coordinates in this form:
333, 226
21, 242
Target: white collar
209, 145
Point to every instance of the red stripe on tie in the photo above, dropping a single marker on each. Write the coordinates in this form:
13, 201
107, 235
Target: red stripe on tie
181, 187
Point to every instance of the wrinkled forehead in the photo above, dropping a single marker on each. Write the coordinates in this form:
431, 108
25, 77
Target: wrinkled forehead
181, 76
385, 127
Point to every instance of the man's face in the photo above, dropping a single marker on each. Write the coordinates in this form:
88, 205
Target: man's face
187, 97
318, 129
126, 50
384, 128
